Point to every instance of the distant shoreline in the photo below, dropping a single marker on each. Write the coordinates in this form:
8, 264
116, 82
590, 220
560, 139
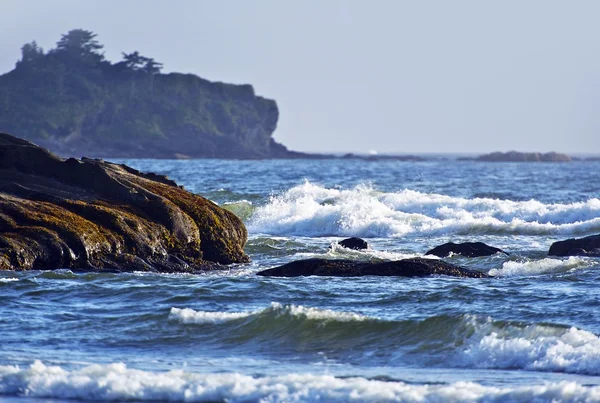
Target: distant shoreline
417, 157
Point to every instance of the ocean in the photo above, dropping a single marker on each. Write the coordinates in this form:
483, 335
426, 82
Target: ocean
530, 333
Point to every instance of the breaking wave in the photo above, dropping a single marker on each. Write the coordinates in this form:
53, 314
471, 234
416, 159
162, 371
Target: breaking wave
468, 341
276, 310
117, 382
542, 266
313, 210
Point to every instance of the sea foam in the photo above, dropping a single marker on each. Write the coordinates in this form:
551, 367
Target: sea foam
534, 347
313, 210
116, 382
537, 267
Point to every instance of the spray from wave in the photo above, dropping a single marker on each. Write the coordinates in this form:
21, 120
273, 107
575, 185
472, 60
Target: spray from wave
313, 210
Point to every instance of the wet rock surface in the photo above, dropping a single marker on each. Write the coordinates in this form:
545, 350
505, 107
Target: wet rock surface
415, 267
466, 249
354, 243
587, 246
93, 215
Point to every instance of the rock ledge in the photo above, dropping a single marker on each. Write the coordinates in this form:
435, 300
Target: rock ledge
94, 215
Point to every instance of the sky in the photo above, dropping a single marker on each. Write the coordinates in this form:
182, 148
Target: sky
389, 76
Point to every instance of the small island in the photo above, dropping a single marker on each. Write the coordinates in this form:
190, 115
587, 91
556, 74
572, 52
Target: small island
515, 156
74, 102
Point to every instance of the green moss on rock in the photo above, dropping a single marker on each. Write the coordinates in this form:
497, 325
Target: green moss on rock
90, 214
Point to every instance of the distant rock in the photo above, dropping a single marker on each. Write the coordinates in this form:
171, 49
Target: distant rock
385, 157
588, 246
466, 249
354, 243
515, 156
416, 267
93, 215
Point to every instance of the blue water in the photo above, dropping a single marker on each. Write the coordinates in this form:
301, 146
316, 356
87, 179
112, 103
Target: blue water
531, 332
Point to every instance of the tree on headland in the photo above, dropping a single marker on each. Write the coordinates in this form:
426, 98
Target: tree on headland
81, 45
133, 61
136, 62
151, 66
30, 52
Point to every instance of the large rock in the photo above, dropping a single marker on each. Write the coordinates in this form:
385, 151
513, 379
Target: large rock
91, 214
588, 246
416, 267
467, 249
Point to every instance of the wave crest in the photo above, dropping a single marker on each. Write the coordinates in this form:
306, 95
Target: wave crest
468, 341
275, 311
313, 210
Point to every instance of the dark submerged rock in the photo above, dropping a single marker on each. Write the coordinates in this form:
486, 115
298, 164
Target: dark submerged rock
354, 243
466, 249
588, 246
416, 267
89, 214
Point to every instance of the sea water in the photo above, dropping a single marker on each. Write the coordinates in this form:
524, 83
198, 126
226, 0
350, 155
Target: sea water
530, 333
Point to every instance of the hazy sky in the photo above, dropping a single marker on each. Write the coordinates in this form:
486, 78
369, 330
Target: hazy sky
392, 76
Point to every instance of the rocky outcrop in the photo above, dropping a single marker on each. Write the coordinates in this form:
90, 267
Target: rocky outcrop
90, 214
466, 249
73, 101
588, 246
416, 267
515, 156
354, 243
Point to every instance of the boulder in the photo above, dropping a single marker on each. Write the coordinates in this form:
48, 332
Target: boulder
93, 215
354, 243
415, 267
588, 246
466, 249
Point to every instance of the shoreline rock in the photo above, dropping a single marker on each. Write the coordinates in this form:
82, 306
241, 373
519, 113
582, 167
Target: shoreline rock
415, 267
466, 249
587, 246
93, 215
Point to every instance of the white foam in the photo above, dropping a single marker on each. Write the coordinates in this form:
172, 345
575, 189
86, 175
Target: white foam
534, 347
543, 266
115, 382
336, 251
8, 279
190, 316
313, 210
187, 315
300, 311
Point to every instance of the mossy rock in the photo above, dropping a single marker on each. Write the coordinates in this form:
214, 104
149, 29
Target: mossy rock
95, 215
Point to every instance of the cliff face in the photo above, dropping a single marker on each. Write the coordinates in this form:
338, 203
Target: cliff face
101, 109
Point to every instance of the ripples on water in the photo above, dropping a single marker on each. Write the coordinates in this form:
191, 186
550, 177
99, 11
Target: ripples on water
529, 333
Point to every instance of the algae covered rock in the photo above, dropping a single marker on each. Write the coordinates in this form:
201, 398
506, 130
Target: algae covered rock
90, 214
